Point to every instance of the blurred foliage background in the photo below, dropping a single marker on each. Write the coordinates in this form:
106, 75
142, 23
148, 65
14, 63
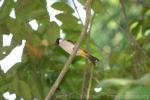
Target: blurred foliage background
123, 71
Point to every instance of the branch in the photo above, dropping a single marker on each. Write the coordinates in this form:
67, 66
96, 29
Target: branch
92, 66
90, 83
83, 82
77, 11
87, 46
66, 66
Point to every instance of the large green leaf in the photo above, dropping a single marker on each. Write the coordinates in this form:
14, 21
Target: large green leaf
139, 92
145, 79
115, 82
24, 90
69, 22
62, 6
97, 6
26, 9
38, 14
6, 9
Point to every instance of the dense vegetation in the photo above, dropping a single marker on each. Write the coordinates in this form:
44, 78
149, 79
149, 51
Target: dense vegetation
119, 37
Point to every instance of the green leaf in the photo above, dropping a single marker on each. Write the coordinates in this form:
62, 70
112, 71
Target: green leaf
67, 18
96, 6
70, 22
6, 8
20, 32
35, 88
24, 90
145, 79
21, 88
25, 8
139, 92
52, 32
4, 88
62, 6
15, 28
5, 50
115, 82
38, 14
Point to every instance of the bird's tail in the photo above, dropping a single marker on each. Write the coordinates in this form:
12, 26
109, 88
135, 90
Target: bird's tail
93, 59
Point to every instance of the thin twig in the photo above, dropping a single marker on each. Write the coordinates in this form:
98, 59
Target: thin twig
83, 83
77, 11
96, 80
84, 68
89, 32
66, 66
87, 47
90, 83
88, 36
92, 66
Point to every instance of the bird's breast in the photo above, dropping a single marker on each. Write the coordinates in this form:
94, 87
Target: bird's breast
67, 46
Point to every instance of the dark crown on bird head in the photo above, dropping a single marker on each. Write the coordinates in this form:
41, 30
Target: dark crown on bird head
57, 40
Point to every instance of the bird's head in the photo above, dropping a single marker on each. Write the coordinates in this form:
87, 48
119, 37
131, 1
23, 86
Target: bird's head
58, 40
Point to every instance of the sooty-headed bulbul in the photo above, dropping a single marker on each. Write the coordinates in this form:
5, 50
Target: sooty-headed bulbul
68, 46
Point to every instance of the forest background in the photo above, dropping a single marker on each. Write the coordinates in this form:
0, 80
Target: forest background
119, 36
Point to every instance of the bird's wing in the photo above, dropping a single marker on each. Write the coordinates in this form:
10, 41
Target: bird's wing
72, 41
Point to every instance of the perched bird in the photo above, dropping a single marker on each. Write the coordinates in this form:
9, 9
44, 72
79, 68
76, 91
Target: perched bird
68, 46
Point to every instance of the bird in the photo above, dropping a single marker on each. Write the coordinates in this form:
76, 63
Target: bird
68, 46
